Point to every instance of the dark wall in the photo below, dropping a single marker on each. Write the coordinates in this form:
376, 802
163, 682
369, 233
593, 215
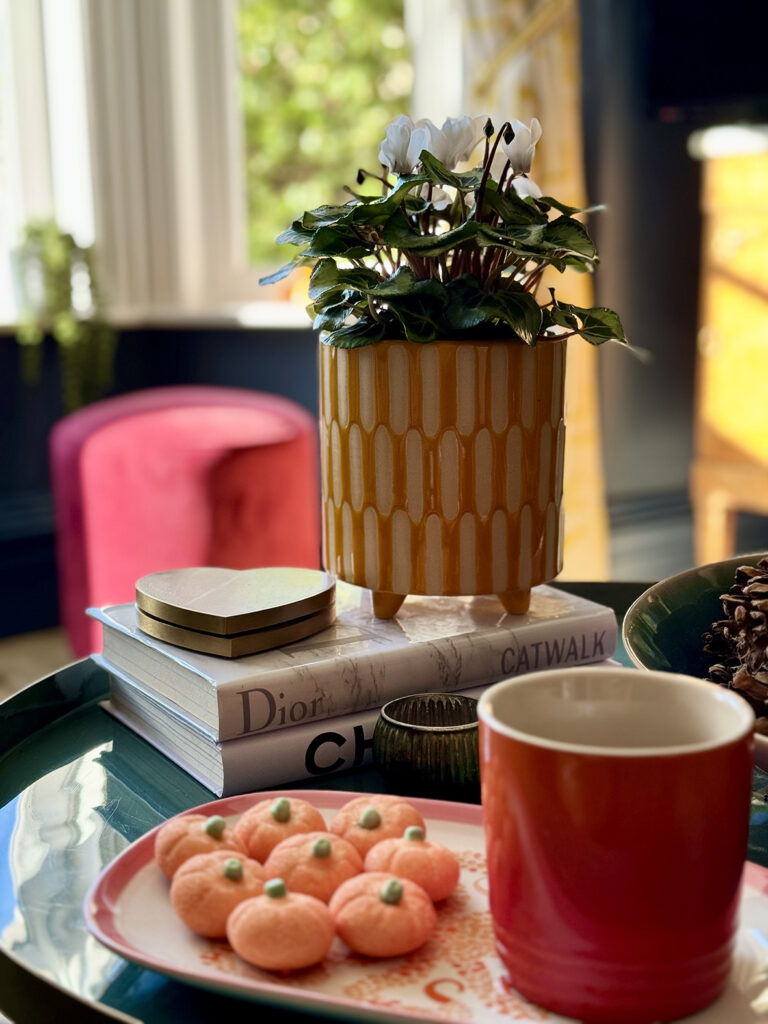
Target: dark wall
279, 361
648, 239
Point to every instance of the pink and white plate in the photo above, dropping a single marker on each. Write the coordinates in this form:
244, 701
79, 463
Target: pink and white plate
455, 976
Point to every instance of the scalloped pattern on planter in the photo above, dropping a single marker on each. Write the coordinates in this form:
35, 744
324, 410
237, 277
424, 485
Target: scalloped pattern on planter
442, 465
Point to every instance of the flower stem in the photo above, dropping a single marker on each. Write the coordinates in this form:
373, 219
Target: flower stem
487, 170
503, 175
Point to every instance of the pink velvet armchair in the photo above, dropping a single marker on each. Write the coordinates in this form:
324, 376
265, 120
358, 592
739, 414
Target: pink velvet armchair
179, 476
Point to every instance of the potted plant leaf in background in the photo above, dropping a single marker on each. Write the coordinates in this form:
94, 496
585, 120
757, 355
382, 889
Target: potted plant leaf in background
59, 294
442, 365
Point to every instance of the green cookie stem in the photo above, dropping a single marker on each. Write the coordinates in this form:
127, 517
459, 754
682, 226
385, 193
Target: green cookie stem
370, 818
233, 868
281, 809
215, 826
391, 891
275, 888
321, 847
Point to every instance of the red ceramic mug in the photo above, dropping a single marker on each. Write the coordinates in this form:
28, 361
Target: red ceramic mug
616, 810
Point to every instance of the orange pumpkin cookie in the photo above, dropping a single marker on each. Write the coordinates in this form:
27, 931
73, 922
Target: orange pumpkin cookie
315, 863
182, 838
268, 822
208, 887
432, 866
379, 915
281, 930
367, 820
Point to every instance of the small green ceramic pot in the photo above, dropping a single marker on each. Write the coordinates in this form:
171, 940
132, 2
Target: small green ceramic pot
426, 745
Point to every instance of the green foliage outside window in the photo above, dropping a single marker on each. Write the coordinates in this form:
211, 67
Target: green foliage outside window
318, 81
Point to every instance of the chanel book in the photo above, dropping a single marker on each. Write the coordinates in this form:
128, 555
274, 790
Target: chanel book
360, 662
310, 750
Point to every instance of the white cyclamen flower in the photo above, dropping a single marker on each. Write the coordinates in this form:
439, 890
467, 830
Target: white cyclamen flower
525, 187
460, 137
425, 135
520, 150
404, 141
393, 150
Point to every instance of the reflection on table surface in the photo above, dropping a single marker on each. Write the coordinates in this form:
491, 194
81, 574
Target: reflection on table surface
72, 796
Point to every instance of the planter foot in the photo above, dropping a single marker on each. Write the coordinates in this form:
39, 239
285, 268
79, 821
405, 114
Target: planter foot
516, 602
385, 605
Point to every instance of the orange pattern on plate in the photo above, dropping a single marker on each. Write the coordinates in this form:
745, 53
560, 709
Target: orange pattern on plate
448, 978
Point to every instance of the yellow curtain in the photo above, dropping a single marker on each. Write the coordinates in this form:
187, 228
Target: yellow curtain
522, 61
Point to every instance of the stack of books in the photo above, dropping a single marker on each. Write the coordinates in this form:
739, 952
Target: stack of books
308, 709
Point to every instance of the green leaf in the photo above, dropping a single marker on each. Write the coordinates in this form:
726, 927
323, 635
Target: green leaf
326, 215
380, 210
465, 303
563, 207
512, 209
566, 233
402, 282
601, 324
581, 264
284, 271
596, 325
518, 309
414, 205
398, 233
324, 276
350, 297
417, 305
364, 332
469, 306
295, 234
328, 279
418, 327
524, 237
438, 174
337, 241
359, 196
421, 315
556, 316
332, 317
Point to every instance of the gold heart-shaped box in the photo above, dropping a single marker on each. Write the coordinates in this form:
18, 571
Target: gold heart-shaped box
232, 612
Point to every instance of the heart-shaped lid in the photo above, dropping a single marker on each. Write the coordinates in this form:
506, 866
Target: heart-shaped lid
238, 644
225, 602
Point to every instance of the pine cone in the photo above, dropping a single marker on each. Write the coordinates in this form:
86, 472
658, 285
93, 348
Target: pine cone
740, 641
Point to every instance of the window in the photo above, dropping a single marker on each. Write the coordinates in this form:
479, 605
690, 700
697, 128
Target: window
183, 135
44, 152
318, 83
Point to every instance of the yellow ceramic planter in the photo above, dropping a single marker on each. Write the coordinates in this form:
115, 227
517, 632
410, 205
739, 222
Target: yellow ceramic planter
442, 467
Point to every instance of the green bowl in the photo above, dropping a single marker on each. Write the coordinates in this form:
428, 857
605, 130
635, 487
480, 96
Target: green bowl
663, 629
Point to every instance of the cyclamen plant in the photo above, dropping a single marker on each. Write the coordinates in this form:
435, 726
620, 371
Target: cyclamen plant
443, 253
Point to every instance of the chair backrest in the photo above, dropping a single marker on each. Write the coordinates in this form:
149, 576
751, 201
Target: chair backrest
173, 477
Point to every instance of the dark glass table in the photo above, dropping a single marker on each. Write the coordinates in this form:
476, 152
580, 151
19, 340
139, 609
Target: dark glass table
76, 788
